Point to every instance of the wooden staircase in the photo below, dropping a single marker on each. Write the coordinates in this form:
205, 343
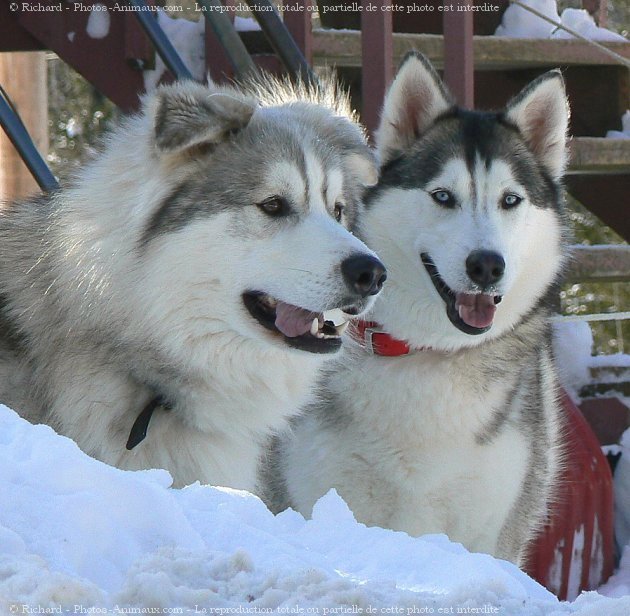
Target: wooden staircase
598, 86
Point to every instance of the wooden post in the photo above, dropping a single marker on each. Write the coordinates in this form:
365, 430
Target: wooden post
459, 62
298, 19
23, 76
377, 58
217, 61
598, 10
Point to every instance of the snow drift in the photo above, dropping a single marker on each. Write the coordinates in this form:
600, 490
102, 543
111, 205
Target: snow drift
76, 533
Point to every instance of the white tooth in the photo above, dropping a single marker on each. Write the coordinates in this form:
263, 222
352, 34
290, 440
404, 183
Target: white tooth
320, 335
270, 301
336, 316
460, 309
314, 326
342, 328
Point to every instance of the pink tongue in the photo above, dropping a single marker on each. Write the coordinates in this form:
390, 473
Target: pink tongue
293, 321
476, 310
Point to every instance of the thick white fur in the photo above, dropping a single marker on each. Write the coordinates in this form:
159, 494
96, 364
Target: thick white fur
529, 238
119, 316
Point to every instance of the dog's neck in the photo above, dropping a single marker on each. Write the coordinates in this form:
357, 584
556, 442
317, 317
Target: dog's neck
376, 341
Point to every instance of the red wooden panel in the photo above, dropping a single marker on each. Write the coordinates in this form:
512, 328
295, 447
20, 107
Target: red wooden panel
377, 54
105, 62
298, 20
598, 9
13, 37
217, 62
458, 53
269, 63
609, 418
576, 550
606, 196
138, 49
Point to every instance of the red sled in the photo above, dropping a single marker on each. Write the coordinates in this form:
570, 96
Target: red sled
575, 552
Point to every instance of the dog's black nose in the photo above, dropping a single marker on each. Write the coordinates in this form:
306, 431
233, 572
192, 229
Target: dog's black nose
485, 267
363, 274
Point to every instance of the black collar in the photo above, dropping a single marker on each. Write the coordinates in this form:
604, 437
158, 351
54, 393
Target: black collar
141, 425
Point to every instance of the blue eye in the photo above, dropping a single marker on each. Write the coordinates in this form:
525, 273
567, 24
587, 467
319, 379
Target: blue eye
443, 198
510, 200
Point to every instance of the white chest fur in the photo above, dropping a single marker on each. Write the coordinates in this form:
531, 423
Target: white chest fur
405, 447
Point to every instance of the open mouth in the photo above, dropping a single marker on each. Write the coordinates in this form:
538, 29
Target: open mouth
472, 313
315, 332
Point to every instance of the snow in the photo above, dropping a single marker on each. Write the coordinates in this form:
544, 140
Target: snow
582, 22
622, 497
76, 534
98, 22
619, 584
245, 24
572, 347
575, 568
517, 22
624, 133
616, 360
187, 37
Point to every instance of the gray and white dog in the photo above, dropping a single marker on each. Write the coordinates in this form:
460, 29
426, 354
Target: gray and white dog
172, 306
443, 417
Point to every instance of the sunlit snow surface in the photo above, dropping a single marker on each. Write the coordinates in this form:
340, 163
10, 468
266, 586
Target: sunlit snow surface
74, 531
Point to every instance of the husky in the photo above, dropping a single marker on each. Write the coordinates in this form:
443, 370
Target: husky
172, 306
443, 416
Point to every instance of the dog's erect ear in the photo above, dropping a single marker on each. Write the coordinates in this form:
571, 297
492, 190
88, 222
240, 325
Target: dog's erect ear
189, 114
363, 167
415, 99
541, 113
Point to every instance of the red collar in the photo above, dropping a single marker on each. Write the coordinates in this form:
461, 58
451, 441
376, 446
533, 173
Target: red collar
378, 342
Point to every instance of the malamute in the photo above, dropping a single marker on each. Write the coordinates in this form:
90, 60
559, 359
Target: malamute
169, 308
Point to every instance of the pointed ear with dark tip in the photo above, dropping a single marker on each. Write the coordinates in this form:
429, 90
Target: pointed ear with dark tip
541, 113
415, 99
189, 114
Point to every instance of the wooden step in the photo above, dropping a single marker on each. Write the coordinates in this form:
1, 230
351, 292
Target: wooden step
606, 195
599, 155
343, 48
603, 263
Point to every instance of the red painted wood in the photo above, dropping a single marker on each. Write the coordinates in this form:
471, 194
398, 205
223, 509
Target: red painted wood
609, 418
377, 54
458, 52
104, 62
598, 9
138, 49
578, 543
298, 20
13, 37
269, 63
217, 61
606, 196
